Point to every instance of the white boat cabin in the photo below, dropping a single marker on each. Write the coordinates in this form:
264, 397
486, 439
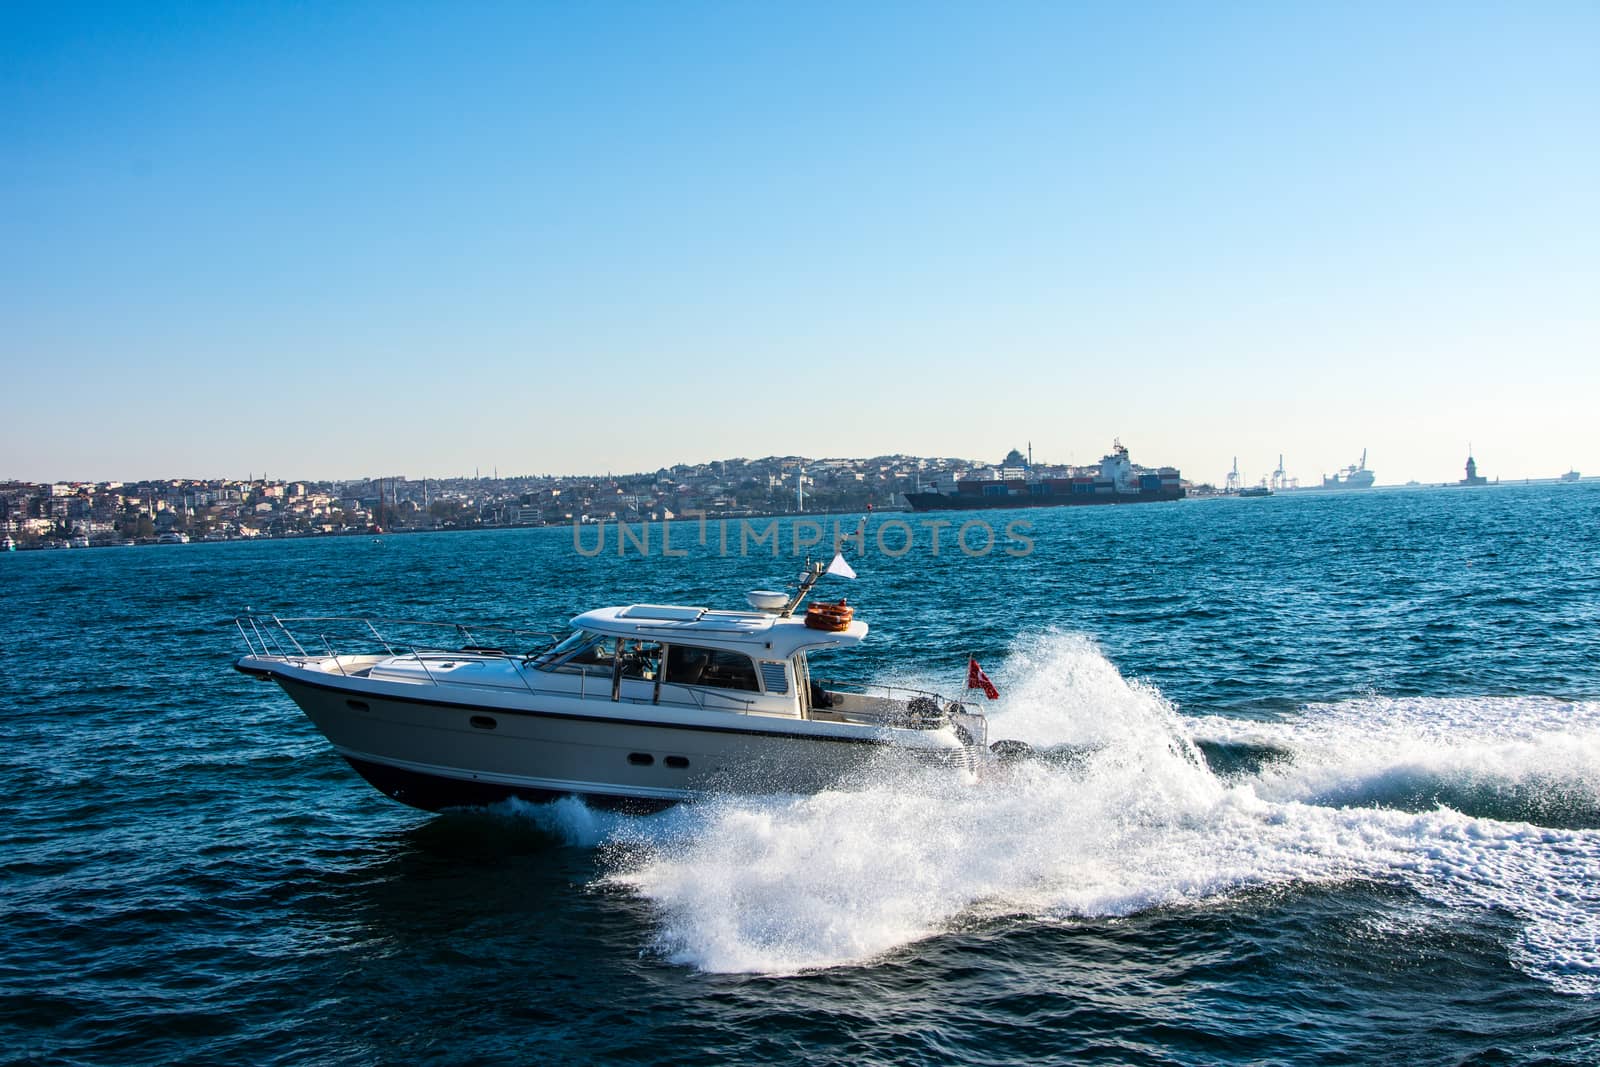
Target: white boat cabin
751, 661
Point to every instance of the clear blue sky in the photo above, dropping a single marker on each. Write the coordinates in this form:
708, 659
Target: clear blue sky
327, 240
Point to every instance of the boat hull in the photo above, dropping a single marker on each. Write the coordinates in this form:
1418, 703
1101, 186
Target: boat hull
433, 753
440, 792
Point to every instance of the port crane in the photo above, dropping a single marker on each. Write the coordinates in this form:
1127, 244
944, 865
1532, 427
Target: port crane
1281, 479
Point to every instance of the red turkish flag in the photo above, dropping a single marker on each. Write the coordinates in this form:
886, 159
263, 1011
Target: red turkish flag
976, 679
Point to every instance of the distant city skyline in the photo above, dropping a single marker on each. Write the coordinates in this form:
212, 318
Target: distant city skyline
337, 241
808, 465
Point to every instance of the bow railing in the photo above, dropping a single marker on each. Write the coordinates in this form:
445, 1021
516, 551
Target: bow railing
318, 637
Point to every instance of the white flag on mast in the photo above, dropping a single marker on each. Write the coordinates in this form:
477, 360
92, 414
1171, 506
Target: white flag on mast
840, 567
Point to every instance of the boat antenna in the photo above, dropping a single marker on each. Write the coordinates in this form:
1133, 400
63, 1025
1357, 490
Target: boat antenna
808, 578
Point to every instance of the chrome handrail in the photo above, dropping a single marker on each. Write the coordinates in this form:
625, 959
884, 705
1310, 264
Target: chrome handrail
889, 690
701, 695
949, 710
275, 636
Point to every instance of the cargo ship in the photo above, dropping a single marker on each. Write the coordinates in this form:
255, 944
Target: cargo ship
1016, 483
1353, 476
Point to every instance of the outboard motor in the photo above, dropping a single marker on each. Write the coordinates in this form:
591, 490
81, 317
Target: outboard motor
921, 713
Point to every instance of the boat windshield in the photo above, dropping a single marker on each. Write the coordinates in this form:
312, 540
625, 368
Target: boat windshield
582, 649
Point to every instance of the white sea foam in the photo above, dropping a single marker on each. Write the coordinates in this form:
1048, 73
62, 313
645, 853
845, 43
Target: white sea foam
1133, 820
1528, 755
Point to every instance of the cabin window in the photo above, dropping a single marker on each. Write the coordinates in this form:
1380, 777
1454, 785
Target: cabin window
597, 653
730, 670
641, 659
714, 667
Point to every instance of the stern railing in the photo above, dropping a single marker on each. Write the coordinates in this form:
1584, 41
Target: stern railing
905, 706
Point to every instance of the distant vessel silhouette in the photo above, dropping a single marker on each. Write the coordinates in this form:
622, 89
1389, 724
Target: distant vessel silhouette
1571, 476
1355, 476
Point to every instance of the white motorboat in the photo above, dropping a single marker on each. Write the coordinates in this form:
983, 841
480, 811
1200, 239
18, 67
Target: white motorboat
639, 706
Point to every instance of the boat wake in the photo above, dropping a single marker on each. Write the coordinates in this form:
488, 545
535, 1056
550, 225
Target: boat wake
1507, 759
1472, 803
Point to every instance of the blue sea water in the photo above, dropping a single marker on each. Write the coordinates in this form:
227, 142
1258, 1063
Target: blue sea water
1319, 783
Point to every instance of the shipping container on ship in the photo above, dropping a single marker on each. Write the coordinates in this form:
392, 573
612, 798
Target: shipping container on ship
1018, 484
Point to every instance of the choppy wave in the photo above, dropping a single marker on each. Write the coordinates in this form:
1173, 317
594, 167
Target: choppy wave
1488, 803
1508, 759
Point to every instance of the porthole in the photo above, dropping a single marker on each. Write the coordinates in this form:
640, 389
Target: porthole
357, 705
641, 759
483, 722
679, 762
